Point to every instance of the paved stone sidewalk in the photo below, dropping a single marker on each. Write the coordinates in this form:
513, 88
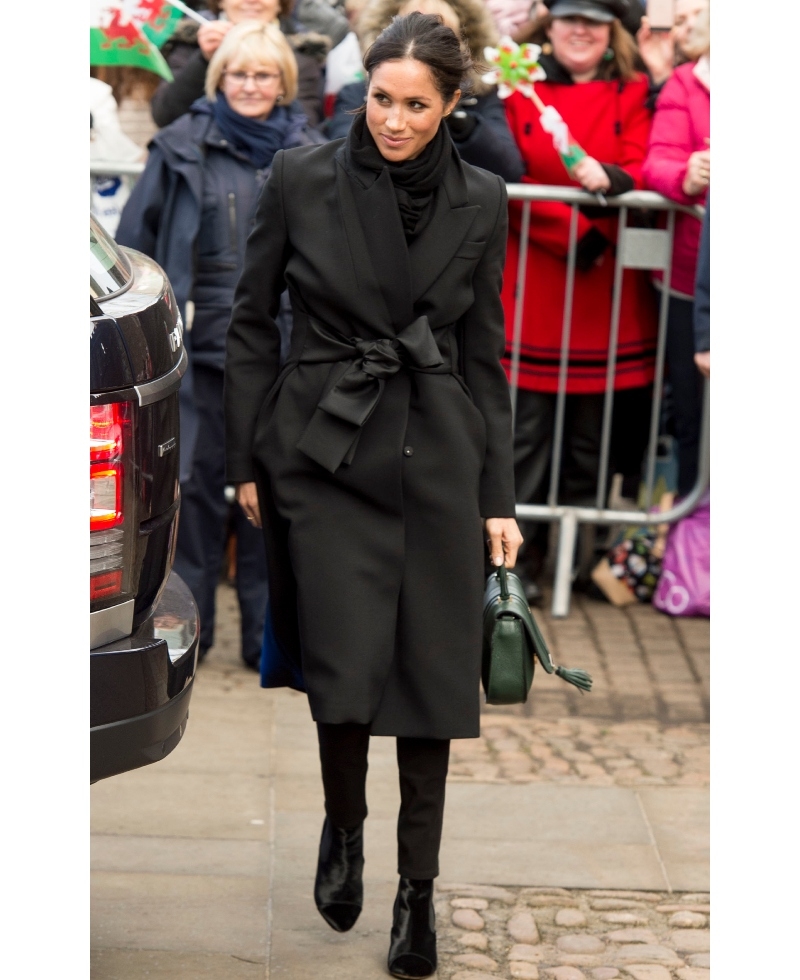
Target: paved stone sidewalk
203, 865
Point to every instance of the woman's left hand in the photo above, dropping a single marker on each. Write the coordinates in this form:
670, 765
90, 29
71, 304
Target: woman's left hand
503, 539
591, 175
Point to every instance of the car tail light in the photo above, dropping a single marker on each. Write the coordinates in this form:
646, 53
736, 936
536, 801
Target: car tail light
105, 584
105, 431
109, 427
105, 494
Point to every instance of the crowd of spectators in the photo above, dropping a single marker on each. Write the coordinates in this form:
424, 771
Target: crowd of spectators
260, 75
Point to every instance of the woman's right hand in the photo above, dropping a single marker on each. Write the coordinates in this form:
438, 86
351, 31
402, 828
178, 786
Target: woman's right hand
247, 498
210, 36
591, 175
698, 173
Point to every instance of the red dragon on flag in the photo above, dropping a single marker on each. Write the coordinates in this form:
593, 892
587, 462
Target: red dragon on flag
130, 32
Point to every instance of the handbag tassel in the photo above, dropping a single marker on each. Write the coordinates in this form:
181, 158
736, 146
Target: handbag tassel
574, 675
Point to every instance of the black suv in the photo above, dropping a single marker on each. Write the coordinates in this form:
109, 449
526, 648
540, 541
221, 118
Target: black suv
144, 626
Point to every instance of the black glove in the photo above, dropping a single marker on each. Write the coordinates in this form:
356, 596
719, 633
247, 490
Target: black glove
590, 247
461, 124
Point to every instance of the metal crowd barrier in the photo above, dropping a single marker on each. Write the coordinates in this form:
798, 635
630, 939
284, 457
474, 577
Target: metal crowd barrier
107, 168
636, 248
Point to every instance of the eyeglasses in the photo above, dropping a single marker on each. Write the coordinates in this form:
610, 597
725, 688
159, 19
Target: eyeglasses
263, 79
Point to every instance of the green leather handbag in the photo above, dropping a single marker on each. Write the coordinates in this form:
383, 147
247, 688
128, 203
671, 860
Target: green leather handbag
510, 640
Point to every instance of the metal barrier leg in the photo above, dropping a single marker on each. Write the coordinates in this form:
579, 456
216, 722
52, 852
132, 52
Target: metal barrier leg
562, 587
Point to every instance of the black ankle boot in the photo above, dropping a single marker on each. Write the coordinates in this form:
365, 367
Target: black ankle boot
412, 951
339, 890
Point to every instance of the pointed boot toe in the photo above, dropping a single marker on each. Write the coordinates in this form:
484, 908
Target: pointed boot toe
339, 889
340, 916
412, 950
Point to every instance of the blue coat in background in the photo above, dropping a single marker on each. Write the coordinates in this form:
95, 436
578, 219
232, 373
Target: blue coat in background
192, 210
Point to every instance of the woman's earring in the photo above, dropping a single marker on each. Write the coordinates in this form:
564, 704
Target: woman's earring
547, 48
279, 99
609, 54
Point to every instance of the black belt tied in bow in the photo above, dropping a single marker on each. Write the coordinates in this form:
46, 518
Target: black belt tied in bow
332, 435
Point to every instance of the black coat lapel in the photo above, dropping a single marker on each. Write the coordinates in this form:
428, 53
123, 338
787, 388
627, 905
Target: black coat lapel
438, 242
375, 232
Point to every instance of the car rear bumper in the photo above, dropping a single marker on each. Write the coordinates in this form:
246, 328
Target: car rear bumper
141, 686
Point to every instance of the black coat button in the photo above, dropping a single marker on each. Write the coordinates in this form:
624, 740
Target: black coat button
408, 451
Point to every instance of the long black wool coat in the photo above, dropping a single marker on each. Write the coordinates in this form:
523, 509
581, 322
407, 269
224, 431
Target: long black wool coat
383, 441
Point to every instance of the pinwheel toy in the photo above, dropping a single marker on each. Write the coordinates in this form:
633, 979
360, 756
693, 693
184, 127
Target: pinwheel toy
515, 68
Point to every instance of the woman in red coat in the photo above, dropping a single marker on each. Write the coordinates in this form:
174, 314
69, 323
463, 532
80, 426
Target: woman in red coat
589, 60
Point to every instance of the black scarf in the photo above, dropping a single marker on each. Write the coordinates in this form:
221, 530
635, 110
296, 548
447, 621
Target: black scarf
259, 140
414, 181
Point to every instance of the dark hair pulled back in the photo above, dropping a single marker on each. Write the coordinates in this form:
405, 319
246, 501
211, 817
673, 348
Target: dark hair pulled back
424, 38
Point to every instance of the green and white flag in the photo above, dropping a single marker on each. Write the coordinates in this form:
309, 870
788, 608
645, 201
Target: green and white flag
130, 32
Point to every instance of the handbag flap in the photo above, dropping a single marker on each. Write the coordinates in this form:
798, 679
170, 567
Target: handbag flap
515, 605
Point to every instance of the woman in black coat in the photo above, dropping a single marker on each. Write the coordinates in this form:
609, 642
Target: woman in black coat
377, 450
478, 124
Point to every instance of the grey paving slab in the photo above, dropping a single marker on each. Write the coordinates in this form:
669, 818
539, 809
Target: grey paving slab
224, 735
301, 791
179, 855
160, 964
679, 818
305, 948
197, 913
156, 802
563, 864
546, 812
297, 762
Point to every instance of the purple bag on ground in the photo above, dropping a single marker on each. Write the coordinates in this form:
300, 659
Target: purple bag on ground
684, 588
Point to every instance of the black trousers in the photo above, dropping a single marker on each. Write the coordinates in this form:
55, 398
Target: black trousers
203, 525
580, 457
423, 770
687, 389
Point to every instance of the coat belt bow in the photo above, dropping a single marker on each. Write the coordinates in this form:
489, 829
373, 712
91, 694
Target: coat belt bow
332, 435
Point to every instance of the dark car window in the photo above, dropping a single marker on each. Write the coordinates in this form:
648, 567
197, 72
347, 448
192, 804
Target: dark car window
109, 269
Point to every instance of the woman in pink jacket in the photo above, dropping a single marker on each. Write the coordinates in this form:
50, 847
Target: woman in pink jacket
678, 165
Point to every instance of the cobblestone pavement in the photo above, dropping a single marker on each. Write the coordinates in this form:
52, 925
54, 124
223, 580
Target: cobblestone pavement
582, 751
644, 665
488, 933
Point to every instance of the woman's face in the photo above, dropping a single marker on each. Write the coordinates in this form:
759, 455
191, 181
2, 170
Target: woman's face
686, 12
579, 44
252, 89
404, 108
238, 10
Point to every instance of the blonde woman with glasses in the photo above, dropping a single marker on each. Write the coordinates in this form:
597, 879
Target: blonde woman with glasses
192, 211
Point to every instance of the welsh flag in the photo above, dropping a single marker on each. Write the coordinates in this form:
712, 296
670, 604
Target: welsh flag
130, 32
